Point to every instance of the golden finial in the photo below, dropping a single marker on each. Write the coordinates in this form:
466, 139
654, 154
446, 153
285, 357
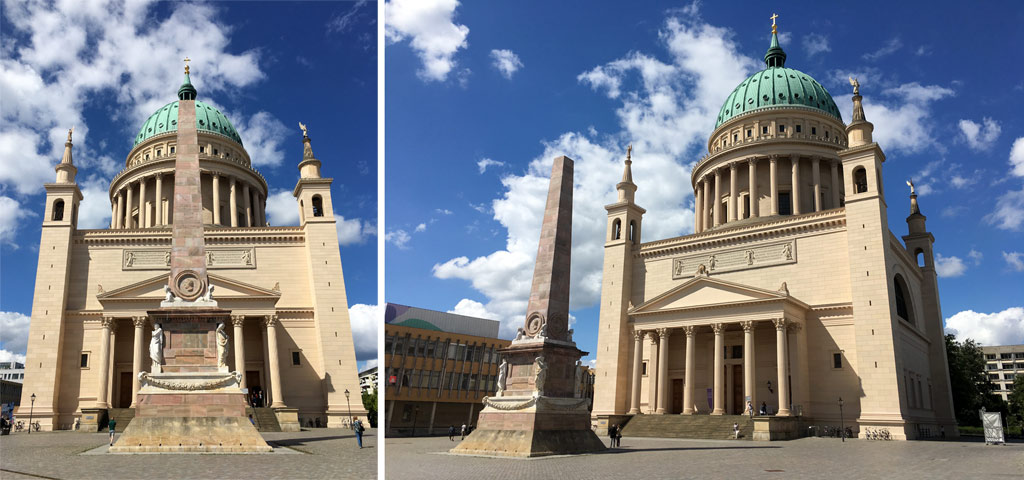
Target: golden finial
186, 64
774, 27
629, 152
70, 131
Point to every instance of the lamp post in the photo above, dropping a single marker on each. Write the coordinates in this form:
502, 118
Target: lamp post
31, 408
415, 415
842, 426
349, 403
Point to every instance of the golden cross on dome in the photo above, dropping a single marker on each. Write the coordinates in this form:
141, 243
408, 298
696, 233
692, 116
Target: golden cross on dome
186, 64
773, 17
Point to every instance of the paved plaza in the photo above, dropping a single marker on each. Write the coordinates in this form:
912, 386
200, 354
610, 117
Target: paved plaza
314, 453
652, 458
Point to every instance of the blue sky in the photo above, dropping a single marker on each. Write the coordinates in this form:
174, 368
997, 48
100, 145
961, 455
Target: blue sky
481, 96
268, 65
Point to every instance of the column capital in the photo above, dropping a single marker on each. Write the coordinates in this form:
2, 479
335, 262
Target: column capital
752, 160
270, 320
718, 328
794, 327
773, 158
139, 321
690, 330
653, 337
780, 323
748, 326
638, 335
108, 322
664, 333
238, 320
732, 167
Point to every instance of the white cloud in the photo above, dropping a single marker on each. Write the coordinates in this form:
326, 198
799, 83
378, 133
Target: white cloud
94, 211
14, 332
506, 61
282, 208
8, 356
1000, 328
487, 162
263, 135
366, 365
1015, 260
11, 214
1017, 157
666, 109
975, 256
948, 267
889, 48
21, 167
980, 136
473, 308
353, 231
1009, 212
429, 26
399, 238
815, 43
344, 22
365, 319
421, 228
902, 116
443, 211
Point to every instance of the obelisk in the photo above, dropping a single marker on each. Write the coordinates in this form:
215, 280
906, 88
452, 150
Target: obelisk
538, 410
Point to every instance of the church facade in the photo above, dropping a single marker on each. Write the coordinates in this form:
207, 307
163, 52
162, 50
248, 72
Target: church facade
792, 293
284, 286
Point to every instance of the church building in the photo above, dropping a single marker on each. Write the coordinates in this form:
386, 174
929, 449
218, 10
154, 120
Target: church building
792, 293
95, 289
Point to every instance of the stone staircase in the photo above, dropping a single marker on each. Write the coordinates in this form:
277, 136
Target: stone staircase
123, 416
266, 420
716, 427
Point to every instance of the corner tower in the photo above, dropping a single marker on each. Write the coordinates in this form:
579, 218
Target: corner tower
327, 289
614, 346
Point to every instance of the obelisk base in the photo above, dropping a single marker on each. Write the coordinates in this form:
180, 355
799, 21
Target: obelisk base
532, 427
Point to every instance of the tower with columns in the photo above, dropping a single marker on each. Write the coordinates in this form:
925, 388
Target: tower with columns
791, 279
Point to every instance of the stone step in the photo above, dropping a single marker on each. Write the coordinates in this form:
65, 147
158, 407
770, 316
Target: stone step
265, 419
123, 416
688, 426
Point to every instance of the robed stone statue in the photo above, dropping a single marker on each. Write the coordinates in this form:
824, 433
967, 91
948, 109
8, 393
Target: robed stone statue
156, 348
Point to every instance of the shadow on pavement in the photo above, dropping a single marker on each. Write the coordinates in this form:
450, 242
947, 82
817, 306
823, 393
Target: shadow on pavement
630, 449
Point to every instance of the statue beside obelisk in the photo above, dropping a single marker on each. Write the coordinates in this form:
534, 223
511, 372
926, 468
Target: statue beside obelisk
538, 410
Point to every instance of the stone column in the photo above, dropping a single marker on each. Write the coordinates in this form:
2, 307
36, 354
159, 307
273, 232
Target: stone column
691, 353
143, 210
110, 363
697, 211
158, 202
247, 204
704, 211
216, 199
104, 366
120, 210
663, 334
752, 186
733, 214
774, 183
719, 392
128, 207
638, 354
748, 362
717, 201
139, 323
835, 183
233, 200
794, 193
652, 374
239, 321
113, 214
816, 173
255, 200
275, 363
782, 353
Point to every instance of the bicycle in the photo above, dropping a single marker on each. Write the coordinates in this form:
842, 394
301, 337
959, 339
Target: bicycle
36, 426
19, 426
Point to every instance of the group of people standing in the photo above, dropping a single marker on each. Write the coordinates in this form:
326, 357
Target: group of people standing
615, 434
465, 430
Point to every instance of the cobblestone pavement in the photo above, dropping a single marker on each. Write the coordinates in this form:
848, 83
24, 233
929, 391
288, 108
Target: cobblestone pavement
650, 458
330, 453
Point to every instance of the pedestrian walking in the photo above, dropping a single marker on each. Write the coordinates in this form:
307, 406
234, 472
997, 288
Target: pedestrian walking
618, 437
464, 431
736, 431
612, 431
750, 409
764, 409
357, 426
451, 433
111, 425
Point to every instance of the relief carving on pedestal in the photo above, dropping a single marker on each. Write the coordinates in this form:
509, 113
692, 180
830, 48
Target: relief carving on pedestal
732, 260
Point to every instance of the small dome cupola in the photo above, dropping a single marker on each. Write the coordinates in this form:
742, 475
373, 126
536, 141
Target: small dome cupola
775, 57
187, 91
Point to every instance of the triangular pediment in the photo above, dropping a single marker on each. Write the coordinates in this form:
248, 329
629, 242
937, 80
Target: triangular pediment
703, 292
153, 289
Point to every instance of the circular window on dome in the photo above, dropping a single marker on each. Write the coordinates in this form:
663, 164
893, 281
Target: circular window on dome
214, 124
811, 98
779, 75
201, 122
765, 97
149, 129
726, 112
782, 95
792, 76
796, 95
737, 105
750, 100
753, 80
160, 126
174, 122
766, 77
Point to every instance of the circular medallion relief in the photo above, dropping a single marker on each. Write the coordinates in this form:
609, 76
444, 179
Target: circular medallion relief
188, 285
534, 323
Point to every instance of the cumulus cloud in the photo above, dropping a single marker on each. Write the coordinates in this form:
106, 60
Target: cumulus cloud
506, 61
980, 136
1000, 328
889, 48
282, 209
666, 103
8, 356
948, 267
443, 211
1009, 212
353, 231
11, 214
365, 320
487, 162
1015, 260
14, 332
94, 211
399, 238
975, 256
263, 135
344, 22
1017, 157
421, 228
902, 116
815, 43
429, 27
473, 308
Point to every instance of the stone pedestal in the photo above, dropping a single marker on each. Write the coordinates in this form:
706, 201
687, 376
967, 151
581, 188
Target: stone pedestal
92, 420
288, 418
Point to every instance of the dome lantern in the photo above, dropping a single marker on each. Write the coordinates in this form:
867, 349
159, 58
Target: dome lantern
187, 91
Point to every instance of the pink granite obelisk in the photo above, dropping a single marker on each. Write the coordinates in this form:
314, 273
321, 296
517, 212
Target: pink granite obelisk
539, 409
188, 278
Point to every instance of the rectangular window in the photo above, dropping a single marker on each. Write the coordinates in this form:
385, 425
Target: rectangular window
749, 132
215, 151
1009, 376
993, 376
442, 348
410, 349
798, 129
1020, 365
1005, 356
421, 346
158, 152
453, 351
784, 204
85, 360
1019, 355
389, 344
837, 360
202, 149
643, 368
764, 130
295, 358
782, 128
993, 366
735, 137
424, 379
172, 149
431, 345
814, 130
737, 351
399, 345
463, 352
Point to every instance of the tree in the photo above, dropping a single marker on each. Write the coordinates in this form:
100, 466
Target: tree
1016, 400
969, 382
370, 404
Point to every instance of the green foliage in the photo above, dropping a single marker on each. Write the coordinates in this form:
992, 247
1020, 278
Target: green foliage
969, 382
1016, 402
370, 404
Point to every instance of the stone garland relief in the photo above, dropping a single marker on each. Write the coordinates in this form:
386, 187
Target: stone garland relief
160, 259
733, 260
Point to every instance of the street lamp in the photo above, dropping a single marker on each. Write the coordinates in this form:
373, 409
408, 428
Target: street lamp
415, 415
842, 426
349, 409
31, 408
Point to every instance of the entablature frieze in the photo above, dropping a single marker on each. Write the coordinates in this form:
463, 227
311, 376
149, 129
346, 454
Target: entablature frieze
214, 235
729, 324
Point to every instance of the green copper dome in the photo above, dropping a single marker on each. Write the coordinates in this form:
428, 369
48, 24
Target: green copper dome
777, 86
208, 119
